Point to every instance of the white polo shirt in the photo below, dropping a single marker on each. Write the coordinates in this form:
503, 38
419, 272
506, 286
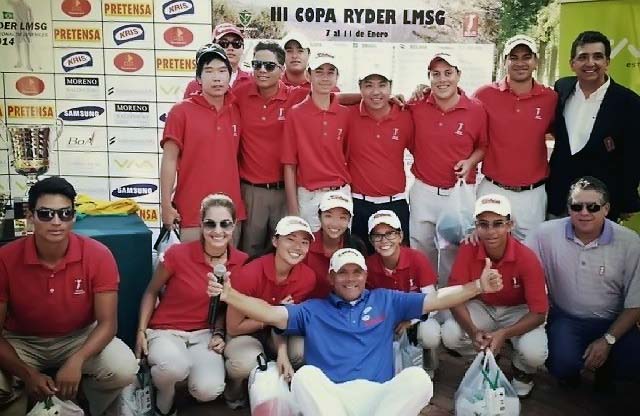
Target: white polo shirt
580, 114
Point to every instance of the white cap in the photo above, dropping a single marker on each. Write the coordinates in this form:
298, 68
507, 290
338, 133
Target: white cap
298, 37
447, 57
346, 256
516, 40
291, 224
496, 203
376, 68
336, 199
384, 216
317, 59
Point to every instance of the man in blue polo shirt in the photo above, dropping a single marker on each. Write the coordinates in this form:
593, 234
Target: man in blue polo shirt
349, 339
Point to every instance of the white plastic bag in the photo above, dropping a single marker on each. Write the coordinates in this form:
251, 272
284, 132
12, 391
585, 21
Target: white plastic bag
165, 239
455, 222
269, 393
137, 398
406, 354
53, 406
485, 391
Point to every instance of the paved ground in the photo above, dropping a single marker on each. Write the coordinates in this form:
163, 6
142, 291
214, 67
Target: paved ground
547, 398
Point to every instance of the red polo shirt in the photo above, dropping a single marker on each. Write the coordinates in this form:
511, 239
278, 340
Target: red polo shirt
522, 275
258, 279
318, 261
532, 115
46, 302
185, 304
262, 129
194, 88
208, 161
443, 138
375, 151
314, 140
412, 273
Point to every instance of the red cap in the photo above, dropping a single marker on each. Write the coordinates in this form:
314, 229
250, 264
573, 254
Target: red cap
225, 29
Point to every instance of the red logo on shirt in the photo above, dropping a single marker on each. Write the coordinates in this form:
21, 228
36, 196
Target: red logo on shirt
281, 114
339, 134
78, 286
538, 115
459, 131
396, 134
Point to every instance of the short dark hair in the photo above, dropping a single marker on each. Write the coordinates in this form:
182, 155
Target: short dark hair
589, 183
271, 47
54, 185
591, 36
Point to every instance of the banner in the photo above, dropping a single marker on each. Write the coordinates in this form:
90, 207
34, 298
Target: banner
619, 20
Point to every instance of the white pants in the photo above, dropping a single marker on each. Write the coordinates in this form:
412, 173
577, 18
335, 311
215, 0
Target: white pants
309, 204
530, 348
406, 394
178, 355
425, 206
528, 208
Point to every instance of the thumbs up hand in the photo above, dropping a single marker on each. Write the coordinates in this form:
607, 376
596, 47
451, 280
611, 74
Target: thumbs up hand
490, 279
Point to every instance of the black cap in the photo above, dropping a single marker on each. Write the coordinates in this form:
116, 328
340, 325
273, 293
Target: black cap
216, 51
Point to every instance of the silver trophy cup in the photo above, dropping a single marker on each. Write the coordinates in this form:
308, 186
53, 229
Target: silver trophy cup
30, 145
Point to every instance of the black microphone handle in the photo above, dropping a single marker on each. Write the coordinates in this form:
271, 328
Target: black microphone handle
213, 311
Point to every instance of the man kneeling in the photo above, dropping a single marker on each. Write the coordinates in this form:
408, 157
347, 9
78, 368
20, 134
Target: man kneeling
517, 312
58, 299
349, 339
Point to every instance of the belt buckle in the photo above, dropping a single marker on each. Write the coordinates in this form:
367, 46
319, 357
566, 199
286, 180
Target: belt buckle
447, 190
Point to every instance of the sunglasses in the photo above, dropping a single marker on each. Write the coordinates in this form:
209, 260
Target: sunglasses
389, 236
226, 225
592, 207
486, 225
268, 66
237, 44
47, 214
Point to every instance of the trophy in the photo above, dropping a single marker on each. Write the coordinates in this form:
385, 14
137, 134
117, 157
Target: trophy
30, 147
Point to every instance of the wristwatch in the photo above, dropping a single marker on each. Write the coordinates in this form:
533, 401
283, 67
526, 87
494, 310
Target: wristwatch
610, 339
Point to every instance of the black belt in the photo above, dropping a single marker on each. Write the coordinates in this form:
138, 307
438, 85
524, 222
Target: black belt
272, 185
516, 188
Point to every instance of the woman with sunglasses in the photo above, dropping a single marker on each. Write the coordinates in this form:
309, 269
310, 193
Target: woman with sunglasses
277, 278
336, 210
175, 335
394, 266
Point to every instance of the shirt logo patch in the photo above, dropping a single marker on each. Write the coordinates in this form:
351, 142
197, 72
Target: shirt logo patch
340, 134
235, 130
538, 115
516, 282
412, 285
396, 134
601, 271
78, 286
281, 114
459, 131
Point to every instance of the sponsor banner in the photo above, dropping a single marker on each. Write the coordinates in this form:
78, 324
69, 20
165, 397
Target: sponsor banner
131, 114
79, 87
4, 162
175, 63
90, 113
128, 62
163, 110
150, 214
136, 165
128, 35
183, 11
53, 161
78, 61
4, 184
76, 10
83, 163
39, 86
18, 185
171, 89
138, 189
1, 95
127, 10
30, 111
97, 188
25, 36
83, 139
77, 34
181, 36
124, 88
137, 139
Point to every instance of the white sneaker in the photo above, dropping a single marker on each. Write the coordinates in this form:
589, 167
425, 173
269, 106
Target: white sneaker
522, 388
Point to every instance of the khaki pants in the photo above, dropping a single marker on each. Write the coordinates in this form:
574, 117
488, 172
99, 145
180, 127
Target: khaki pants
309, 204
105, 374
241, 353
530, 348
265, 207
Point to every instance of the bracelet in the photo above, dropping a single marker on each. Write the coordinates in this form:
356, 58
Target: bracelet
479, 286
142, 330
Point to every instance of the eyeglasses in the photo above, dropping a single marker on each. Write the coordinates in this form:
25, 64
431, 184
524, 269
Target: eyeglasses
389, 236
237, 44
47, 214
487, 225
592, 207
226, 225
267, 65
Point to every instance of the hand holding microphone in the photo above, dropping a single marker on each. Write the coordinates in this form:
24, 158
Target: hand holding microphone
216, 279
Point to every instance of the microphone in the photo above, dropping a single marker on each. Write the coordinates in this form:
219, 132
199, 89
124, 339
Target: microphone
218, 271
